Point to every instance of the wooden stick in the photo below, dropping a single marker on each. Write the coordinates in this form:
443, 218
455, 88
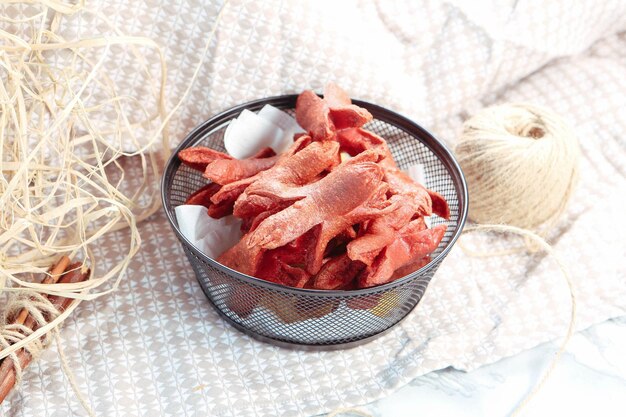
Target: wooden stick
7, 381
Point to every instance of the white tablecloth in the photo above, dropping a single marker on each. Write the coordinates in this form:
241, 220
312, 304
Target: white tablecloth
156, 347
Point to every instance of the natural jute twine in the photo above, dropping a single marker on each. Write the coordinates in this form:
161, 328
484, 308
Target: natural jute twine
521, 165
38, 307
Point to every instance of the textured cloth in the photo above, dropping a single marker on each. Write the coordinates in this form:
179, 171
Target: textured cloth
156, 347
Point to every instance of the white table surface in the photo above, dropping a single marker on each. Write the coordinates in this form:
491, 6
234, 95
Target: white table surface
589, 380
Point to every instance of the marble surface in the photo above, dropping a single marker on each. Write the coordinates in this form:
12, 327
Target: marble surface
590, 380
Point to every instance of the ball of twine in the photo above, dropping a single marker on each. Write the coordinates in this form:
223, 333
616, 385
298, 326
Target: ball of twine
521, 164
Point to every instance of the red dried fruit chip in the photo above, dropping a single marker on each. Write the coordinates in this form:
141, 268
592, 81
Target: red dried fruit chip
273, 269
337, 273
232, 191
199, 157
415, 195
226, 171
254, 205
292, 309
312, 309
353, 141
410, 268
337, 245
297, 251
381, 232
297, 136
412, 244
285, 265
240, 300
223, 209
342, 112
364, 302
242, 258
313, 114
283, 306
357, 140
248, 224
349, 116
281, 265
202, 197
440, 205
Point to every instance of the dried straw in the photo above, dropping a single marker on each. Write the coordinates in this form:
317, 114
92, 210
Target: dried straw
68, 133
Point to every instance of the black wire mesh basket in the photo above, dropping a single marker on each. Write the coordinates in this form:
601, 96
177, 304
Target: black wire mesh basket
307, 318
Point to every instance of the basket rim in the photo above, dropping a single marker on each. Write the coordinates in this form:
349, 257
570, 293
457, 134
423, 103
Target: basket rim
288, 101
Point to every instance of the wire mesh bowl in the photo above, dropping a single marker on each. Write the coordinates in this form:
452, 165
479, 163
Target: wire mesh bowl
307, 318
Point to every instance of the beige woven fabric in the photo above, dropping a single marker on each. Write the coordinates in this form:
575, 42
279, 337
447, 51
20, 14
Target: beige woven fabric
156, 347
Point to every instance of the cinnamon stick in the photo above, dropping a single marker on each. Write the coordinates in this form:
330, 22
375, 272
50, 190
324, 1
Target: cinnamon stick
30, 320
24, 318
7, 370
55, 273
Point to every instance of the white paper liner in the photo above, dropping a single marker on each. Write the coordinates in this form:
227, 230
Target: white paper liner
251, 132
287, 123
418, 174
211, 236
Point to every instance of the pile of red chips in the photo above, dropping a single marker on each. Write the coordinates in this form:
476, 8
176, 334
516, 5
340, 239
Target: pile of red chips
332, 212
